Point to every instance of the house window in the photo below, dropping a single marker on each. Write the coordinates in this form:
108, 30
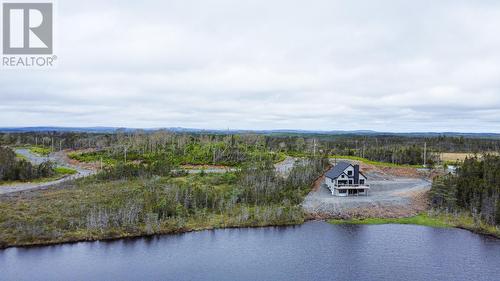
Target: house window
342, 190
349, 173
350, 181
361, 181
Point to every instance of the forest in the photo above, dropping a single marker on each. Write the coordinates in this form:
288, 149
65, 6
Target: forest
475, 189
233, 150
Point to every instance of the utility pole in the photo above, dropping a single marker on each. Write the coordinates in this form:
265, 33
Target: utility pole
425, 153
314, 148
125, 152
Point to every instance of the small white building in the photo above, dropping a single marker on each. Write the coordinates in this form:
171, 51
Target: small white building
345, 179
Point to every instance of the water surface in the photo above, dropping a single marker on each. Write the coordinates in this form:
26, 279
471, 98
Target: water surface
313, 251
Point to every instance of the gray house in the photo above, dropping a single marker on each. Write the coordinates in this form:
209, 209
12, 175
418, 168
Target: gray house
345, 179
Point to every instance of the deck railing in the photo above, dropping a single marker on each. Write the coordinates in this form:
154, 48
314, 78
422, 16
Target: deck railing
353, 185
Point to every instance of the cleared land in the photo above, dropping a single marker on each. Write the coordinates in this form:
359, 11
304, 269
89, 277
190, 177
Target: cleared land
394, 192
459, 156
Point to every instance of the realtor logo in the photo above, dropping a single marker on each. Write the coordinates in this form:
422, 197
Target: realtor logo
27, 28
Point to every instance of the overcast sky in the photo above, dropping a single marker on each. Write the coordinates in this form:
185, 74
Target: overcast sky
323, 65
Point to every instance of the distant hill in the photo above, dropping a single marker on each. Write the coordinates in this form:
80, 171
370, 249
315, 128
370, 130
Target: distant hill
237, 131
58, 129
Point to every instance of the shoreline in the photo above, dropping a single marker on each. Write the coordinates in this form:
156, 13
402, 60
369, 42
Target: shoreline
440, 220
333, 221
142, 235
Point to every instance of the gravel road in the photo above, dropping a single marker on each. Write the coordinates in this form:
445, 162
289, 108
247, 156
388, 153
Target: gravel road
59, 158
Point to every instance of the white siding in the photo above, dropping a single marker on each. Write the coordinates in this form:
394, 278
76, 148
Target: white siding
330, 183
350, 168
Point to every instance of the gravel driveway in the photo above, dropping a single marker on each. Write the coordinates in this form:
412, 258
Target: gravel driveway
385, 191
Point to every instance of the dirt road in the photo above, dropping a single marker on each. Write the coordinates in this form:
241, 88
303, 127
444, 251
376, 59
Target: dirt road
59, 158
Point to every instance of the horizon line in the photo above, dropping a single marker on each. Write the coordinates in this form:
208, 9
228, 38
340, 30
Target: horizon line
2, 128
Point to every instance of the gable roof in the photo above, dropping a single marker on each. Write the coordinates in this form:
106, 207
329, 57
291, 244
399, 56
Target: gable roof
336, 171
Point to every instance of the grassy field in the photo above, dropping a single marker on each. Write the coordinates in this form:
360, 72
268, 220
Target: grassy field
432, 219
40, 150
64, 171
421, 219
451, 157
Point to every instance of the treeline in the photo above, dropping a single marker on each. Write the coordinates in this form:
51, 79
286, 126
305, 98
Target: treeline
147, 141
475, 188
12, 168
178, 149
226, 149
358, 143
410, 154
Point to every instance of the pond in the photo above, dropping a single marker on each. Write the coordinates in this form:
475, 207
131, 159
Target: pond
312, 251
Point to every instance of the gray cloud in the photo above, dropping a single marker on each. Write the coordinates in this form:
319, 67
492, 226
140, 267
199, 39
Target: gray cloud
384, 65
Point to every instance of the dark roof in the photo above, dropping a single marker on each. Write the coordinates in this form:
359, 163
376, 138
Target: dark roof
336, 171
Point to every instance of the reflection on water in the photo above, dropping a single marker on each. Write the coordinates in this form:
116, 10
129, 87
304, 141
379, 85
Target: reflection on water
313, 251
